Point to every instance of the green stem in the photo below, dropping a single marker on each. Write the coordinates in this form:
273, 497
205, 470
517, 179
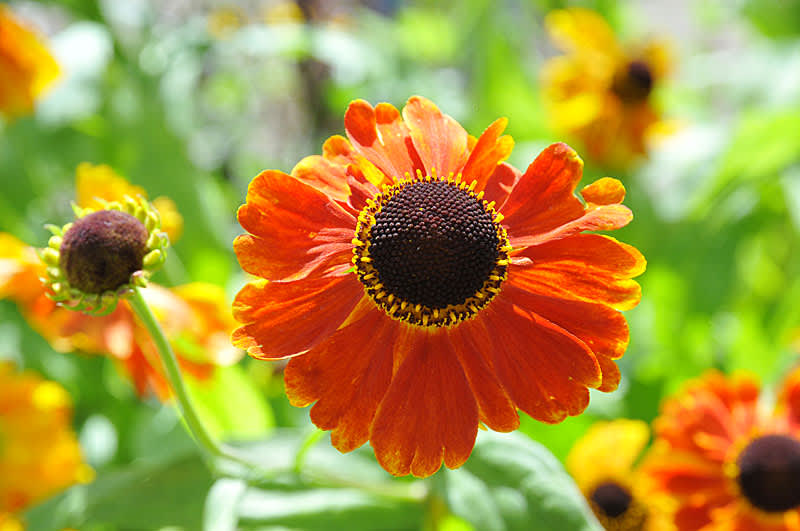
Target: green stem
196, 427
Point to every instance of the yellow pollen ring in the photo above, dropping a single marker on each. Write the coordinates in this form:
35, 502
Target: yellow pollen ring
415, 313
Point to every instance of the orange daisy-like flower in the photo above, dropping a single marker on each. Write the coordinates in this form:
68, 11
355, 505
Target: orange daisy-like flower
39, 453
604, 465
600, 90
26, 67
193, 317
422, 287
730, 464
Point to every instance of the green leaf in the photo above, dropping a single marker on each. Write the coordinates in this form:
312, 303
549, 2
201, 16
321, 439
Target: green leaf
141, 496
222, 504
511, 482
328, 508
231, 405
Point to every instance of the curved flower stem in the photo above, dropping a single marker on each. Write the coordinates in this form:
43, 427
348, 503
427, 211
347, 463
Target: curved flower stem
196, 427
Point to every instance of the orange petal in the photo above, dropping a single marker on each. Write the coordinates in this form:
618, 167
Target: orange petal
282, 319
381, 136
501, 182
545, 370
470, 341
440, 141
490, 150
429, 413
587, 267
543, 198
605, 191
294, 229
611, 374
346, 381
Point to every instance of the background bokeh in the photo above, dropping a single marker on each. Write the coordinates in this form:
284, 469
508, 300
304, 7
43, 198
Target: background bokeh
190, 99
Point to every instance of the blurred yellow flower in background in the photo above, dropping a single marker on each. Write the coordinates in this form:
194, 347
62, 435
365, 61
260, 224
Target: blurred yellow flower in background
96, 183
26, 66
39, 453
600, 90
603, 464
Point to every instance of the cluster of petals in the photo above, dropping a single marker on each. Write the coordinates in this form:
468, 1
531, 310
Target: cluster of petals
419, 394
599, 90
700, 437
39, 454
26, 66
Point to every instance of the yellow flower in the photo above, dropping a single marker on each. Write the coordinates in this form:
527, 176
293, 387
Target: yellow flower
39, 454
26, 67
603, 464
600, 91
98, 183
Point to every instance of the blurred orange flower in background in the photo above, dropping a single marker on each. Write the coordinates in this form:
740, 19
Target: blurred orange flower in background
195, 317
421, 287
601, 91
26, 67
39, 453
604, 465
730, 463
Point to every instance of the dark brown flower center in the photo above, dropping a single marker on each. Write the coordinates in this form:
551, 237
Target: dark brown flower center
431, 251
634, 82
612, 498
433, 244
769, 472
100, 251
616, 508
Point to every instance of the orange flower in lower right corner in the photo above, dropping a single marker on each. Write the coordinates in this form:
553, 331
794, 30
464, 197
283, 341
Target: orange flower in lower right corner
26, 67
728, 464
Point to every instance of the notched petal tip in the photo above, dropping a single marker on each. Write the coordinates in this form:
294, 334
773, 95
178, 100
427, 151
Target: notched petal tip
605, 191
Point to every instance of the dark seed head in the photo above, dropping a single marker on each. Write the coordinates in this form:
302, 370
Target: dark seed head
433, 244
101, 251
769, 472
611, 498
634, 82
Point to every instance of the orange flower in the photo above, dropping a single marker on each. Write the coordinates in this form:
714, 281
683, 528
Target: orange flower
729, 463
603, 463
600, 91
193, 316
26, 67
421, 287
39, 454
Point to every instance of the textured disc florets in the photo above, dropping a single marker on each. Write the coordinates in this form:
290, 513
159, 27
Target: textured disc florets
103, 253
769, 472
430, 251
616, 507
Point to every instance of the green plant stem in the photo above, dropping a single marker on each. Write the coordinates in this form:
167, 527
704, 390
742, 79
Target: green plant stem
196, 427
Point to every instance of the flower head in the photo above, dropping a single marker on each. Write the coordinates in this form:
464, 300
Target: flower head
604, 465
39, 454
26, 67
729, 463
600, 90
103, 254
421, 287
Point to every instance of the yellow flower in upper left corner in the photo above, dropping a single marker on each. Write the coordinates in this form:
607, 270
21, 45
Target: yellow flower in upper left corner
96, 183
39, 453
26, 67
603, 464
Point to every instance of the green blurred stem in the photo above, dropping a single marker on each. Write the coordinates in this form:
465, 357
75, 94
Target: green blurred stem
196, 427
